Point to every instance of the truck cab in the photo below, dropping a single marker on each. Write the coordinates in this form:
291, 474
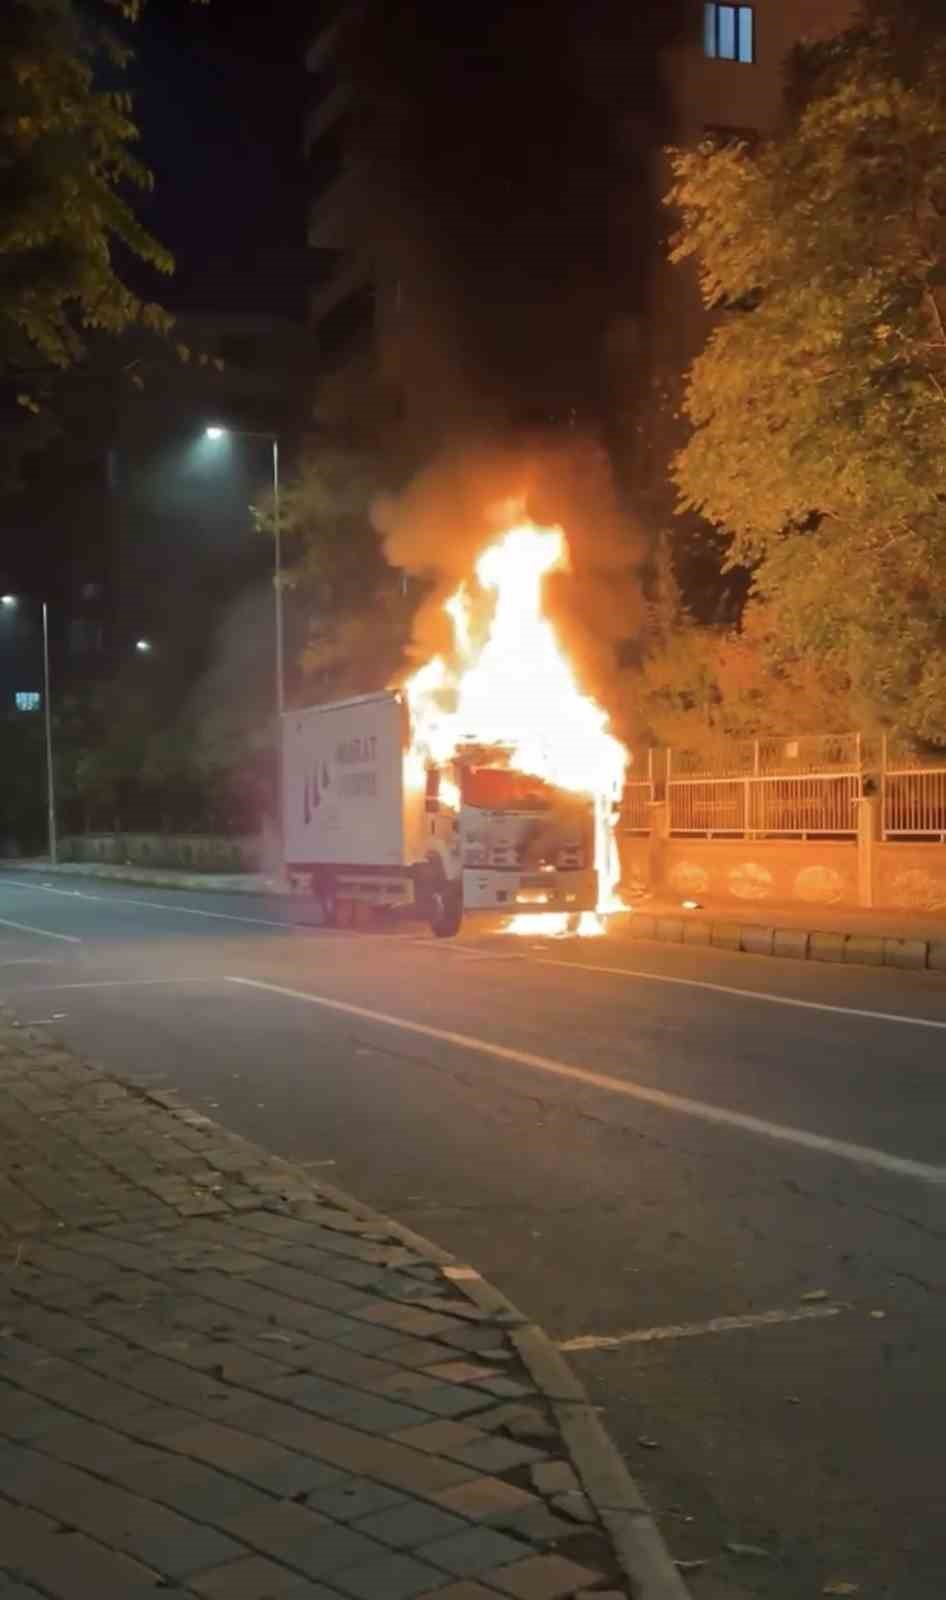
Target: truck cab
509, 842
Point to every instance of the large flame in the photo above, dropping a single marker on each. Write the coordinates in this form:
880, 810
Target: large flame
507, 682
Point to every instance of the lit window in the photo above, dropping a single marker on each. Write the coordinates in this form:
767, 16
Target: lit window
26, 700
729, 32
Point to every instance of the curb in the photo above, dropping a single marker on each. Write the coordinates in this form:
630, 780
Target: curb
621, 1509
605, 1478
622, 1518
794, 944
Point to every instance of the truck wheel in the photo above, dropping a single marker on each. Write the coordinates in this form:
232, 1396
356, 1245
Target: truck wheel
442, 899
446, 909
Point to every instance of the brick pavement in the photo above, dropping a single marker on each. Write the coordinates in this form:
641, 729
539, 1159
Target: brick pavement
220, 1379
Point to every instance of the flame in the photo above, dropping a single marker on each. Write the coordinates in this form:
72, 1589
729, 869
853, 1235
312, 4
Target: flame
558, 925
507, 682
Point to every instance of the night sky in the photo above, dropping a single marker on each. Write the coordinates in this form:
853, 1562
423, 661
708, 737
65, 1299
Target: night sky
220, 94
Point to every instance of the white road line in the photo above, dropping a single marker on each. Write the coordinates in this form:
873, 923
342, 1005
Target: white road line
44, 933
746, 994
694, 1330
110, 983
150, 905
441, 947
31, 961
859, 1155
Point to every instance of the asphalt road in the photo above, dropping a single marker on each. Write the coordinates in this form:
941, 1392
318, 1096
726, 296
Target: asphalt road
634, 1141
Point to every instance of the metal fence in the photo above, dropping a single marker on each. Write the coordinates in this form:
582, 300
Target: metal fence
636, 812
803, 787
914, 803
640, 791
815, 754
810, 806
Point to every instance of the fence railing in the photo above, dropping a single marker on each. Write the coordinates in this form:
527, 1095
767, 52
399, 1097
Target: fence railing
784, 787
640, 791
636, 807
914, 803
813, 805
816, 754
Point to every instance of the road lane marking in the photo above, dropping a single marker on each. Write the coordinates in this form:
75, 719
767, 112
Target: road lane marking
746, 994
695, 1330
150, 905
859, 1155
441, 947
32, 961
111, 983
43, 933
309, 930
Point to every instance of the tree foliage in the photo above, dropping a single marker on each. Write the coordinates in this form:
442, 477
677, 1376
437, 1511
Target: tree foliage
696, 684
66, 169
355, 607
818, 405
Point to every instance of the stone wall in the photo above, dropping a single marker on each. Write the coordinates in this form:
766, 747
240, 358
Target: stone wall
751, 871
903, 876
910, 877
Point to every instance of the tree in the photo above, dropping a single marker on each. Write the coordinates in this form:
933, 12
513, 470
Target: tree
818, 404
357, 608
66, 168
23, 764
101, 737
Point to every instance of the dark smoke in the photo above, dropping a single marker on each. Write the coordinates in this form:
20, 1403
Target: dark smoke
507, 168
508, 173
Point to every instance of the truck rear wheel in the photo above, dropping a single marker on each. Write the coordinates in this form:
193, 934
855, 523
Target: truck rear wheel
446, 909
328, 900
441, 899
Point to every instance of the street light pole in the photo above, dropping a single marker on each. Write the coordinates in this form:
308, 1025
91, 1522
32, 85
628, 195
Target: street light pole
50, 773
220, 432
277, 585
280, 669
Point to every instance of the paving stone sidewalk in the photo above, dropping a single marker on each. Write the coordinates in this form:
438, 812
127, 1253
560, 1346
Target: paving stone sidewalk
219, 1378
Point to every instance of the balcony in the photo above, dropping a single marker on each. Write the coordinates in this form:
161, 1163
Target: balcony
351, 273
327, 40
323, 117
329, 225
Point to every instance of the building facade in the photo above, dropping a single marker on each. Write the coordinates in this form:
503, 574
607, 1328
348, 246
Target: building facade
708, 69
725, 77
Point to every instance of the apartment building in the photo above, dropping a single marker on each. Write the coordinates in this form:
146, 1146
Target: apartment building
725, 77
719, 68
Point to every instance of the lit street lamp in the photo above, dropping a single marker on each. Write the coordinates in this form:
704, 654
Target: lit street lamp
10, 600
215, 433
143, 646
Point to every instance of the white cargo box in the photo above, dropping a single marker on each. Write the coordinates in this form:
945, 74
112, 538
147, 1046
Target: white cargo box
343, 784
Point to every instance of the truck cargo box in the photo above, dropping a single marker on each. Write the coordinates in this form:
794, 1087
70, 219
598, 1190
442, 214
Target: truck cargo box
343, 783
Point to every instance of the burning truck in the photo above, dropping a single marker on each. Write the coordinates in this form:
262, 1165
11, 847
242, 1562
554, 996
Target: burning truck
486, 782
